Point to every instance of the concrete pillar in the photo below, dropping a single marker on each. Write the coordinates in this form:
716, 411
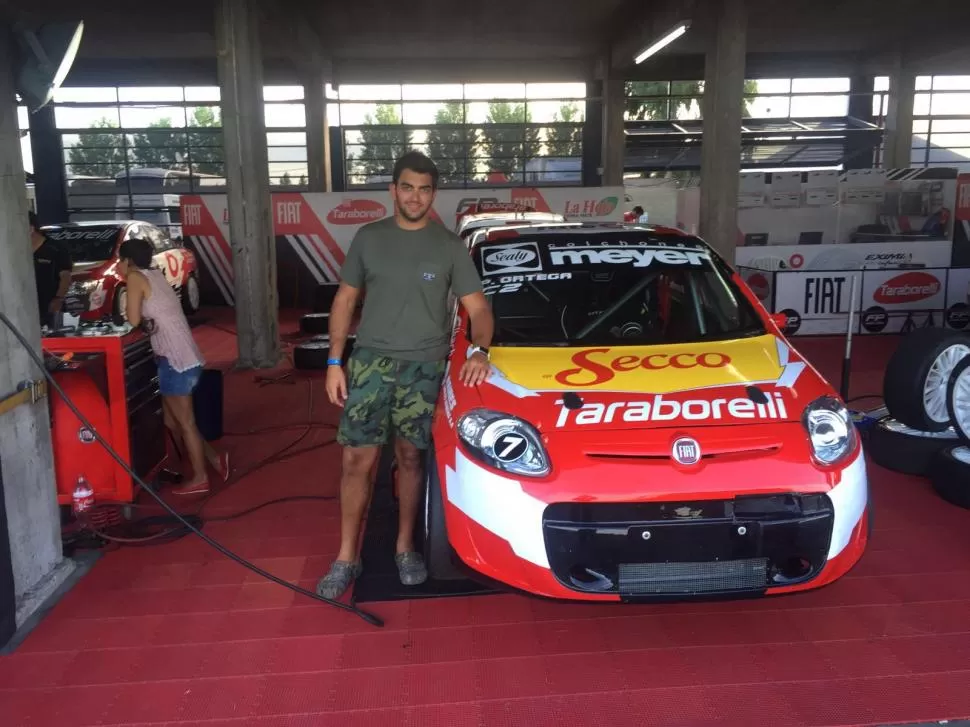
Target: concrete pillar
614, 137
899, 119
250, 221
26, 458
859, 155
722, 112
47, 151
593, 134
317, 132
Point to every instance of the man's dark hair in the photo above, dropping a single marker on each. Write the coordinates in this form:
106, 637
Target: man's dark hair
418, 163
638, 210
32, 216
138, 251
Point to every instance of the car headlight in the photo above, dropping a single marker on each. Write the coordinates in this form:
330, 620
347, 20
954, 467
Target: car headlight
830, 430
83, 287
505, 442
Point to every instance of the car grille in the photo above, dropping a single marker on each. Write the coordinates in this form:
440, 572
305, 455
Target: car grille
691, 578
736, 546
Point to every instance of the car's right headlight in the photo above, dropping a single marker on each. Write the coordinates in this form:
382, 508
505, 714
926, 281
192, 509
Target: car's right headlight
504, 442
830, 429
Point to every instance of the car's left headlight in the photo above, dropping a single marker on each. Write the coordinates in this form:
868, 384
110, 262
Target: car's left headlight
830, 430
505, 442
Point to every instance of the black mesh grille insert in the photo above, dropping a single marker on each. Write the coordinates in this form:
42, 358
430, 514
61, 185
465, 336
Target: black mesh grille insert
679, 578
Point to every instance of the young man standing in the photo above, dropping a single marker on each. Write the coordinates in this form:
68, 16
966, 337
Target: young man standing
52, 270
408, 266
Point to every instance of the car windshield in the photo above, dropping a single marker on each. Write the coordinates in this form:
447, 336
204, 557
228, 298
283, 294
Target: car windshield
610, 289
88, 244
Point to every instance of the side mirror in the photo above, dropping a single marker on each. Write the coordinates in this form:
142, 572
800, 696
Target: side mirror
779, 319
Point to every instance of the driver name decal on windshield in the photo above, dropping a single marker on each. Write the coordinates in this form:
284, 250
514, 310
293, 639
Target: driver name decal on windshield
640, 256
669, 410
589, 372
513, 283
520, 257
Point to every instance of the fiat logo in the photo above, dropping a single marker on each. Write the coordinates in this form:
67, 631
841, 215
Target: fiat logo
686, 451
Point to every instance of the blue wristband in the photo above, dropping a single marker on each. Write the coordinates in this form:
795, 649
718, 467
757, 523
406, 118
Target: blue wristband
334, 362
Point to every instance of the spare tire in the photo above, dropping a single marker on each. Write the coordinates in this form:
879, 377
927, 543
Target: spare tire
899, 448
313, 324
950, 475
313, 354
958, 399
915, 384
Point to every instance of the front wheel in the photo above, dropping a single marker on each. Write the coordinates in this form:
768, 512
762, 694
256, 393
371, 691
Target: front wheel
437, 551
121, 302
191, 298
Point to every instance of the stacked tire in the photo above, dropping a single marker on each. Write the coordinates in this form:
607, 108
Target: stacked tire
926, 390
312, 354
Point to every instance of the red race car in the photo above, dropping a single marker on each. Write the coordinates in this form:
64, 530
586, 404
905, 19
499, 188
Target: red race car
646, 431
96, 289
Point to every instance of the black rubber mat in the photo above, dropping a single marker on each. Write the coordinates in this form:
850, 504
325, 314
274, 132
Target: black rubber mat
379, 580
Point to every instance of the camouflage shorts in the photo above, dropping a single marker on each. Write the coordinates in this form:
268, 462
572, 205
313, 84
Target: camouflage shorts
383, 391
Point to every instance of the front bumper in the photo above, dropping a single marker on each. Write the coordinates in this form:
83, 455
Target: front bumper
728, 547
732, 545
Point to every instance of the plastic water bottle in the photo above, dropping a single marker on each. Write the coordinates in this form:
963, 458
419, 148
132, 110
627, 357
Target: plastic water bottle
83, 498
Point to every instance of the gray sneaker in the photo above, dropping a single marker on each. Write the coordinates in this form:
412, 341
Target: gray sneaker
338, 580
410, 567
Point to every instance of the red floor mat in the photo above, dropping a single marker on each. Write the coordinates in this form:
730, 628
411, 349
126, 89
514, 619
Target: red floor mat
178, 635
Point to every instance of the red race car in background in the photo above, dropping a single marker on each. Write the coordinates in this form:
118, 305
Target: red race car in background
96, 289
646, 431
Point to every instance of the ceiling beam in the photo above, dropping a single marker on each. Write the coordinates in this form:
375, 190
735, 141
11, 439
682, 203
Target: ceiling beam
292, 34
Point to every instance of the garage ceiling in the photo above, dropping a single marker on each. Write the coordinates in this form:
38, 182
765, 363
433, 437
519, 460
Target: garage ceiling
434, 40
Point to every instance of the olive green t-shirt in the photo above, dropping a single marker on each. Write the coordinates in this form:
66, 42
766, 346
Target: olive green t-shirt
407, 276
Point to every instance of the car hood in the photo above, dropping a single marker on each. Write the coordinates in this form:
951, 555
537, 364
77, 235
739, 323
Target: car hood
755, 380
84, 271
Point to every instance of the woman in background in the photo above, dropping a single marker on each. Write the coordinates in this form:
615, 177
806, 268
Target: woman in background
153, 302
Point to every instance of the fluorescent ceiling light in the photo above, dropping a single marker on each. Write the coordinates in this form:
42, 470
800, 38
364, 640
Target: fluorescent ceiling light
669, 38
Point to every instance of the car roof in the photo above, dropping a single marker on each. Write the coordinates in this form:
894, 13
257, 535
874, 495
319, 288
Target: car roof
550, 233
483, 219
91, 223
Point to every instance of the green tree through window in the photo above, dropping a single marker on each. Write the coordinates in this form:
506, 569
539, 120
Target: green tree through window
508, 141
451, 144
381, 146
101, 153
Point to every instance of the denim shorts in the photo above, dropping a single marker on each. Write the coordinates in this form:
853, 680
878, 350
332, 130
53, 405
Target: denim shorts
175, 383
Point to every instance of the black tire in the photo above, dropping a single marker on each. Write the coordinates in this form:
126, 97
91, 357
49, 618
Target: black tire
959, 411
898, 448
907, 372
311, 355
189, 307
315, 324
386, 466
437, 551
950, 475
323, 297
117, 306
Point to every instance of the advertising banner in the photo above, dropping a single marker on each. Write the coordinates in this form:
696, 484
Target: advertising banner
958, 299
817, 303
314, 230
886, 301
930, 254
893, 300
